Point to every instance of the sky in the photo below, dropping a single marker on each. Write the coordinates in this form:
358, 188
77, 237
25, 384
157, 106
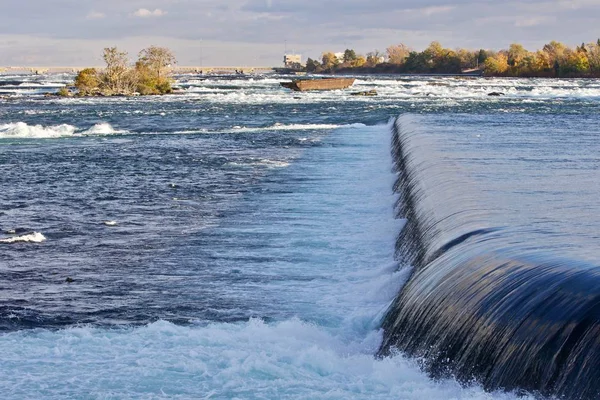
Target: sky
259, 32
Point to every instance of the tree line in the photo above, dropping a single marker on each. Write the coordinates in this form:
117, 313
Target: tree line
149, 75
555, 59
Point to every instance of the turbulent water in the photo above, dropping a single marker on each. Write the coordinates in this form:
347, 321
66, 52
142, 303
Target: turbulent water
238, 240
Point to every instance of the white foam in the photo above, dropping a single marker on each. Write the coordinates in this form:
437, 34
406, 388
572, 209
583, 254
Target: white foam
34, 237
22, 130
251, 360
103, 128
295, 127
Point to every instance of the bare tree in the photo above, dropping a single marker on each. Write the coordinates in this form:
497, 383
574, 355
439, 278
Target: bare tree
398, 53
158, 60
373, 58
117, 66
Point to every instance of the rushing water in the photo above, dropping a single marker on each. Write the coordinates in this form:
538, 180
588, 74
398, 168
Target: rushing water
238, 240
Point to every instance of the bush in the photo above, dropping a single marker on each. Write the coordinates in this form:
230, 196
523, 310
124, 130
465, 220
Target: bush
87, 81
63, 92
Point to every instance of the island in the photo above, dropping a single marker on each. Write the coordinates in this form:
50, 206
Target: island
150, 75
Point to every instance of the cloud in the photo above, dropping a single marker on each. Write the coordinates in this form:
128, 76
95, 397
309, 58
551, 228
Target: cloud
533, 21
436, 10
145, 13
255, 30
95, 15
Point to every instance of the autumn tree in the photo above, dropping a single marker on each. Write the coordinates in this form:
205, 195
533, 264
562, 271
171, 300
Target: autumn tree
153, 69
467, 58
373, 58
398, 53
555, 51
360, 61
593, 55
158, 60
496, 64
574, 62
330, 60
116, 72
516, 54
87, 81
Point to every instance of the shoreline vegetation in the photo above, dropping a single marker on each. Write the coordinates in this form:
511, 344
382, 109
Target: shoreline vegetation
554, 60
150, 75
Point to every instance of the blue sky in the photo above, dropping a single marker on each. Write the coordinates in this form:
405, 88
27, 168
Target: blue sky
256, 32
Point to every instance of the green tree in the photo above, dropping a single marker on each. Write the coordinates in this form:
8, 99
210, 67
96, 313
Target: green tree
417, 63
312, 65
481, 56
349, 56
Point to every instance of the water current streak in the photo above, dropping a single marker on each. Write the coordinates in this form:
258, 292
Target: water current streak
479, 306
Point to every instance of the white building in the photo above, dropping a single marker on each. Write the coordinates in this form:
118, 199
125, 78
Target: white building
339, 56
292, 60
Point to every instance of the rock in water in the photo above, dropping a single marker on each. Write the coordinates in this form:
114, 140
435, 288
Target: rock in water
372, 92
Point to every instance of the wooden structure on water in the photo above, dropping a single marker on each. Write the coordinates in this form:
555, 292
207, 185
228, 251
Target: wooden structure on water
303, 85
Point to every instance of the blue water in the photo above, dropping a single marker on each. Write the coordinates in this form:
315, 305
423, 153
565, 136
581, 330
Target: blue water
237, 241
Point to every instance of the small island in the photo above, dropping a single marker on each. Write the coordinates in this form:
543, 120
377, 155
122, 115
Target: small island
150, 75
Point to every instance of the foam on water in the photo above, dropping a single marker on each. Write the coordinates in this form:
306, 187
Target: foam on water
23, 130
101, 129
253, 360
296, 127
34, 237
266, 89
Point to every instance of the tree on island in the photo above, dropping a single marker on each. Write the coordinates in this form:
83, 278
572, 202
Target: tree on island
149, 75
116, 78
87, 81
158, 60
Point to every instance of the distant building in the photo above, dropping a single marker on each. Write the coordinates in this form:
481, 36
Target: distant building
292, 60
339, 56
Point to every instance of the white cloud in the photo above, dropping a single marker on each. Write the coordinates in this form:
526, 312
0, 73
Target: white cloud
95, 15
145, 13
533, 21
436, 10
